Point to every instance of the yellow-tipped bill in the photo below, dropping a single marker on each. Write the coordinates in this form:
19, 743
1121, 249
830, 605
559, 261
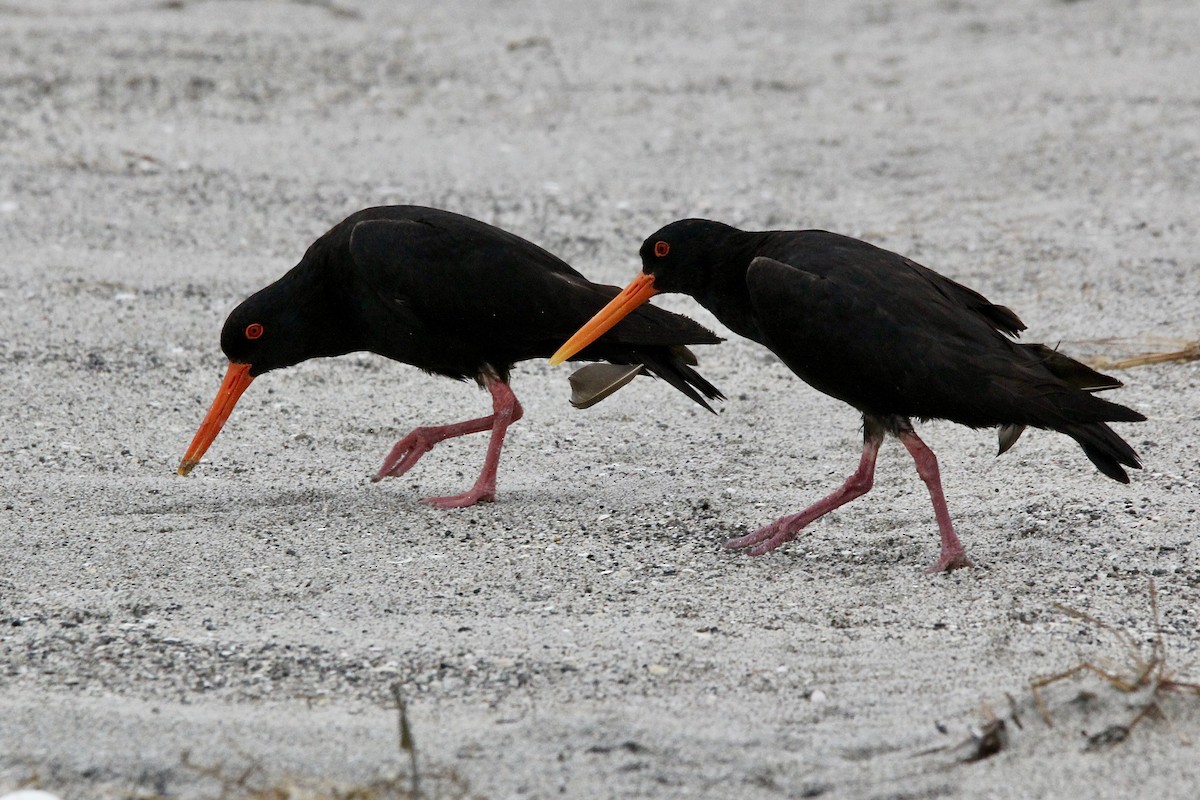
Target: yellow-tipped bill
632, 296
237, 378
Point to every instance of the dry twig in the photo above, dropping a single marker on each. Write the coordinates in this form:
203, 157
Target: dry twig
1144, 350
1146, 672
252, 783
985, 740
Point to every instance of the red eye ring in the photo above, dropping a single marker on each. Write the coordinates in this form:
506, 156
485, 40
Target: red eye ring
661, 248
254, 330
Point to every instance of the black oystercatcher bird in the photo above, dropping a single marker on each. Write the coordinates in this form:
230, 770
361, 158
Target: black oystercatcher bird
455, 297
884, 334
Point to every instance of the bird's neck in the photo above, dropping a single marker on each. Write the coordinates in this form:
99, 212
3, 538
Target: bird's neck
323, 325
724, 291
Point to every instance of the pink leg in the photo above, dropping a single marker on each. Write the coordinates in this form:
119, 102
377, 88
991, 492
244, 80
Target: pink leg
785, 529
505, 411
406, 452
953, 554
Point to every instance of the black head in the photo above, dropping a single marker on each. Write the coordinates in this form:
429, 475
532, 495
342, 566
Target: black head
257, 337
302, 315
681, 255
689, 256
292, 320
255, 334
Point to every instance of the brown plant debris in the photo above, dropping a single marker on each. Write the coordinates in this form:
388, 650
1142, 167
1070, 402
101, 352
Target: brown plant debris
985, 740
1136, 352
252, 783
1145, 673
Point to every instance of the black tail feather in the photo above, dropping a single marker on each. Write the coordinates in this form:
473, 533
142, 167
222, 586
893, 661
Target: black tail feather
1072, 372
1080, 376
1105, 448
673, 368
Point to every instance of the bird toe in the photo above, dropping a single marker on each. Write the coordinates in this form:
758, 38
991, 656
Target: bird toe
950, 561
464, 500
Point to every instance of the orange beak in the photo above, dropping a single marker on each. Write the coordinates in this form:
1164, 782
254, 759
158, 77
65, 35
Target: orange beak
632, 296
237, 378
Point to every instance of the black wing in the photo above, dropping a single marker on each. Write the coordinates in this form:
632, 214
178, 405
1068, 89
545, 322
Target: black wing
486, 296
891, 337
479, 283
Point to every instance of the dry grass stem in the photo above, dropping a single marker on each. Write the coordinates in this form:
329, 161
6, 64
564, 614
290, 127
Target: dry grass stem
1145, 672
251, 783
1141, 351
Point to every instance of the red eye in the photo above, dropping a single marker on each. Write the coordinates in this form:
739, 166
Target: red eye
254, 330
661, 248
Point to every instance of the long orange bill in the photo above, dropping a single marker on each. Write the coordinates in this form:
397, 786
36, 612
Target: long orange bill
237, 378
632, 296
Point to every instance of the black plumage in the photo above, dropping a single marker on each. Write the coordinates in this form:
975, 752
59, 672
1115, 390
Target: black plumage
890, 337
448, 294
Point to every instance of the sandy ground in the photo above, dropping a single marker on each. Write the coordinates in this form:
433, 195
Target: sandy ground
585, 636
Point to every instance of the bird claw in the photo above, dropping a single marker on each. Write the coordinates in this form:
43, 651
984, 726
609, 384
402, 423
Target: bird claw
463, 500
405, 454
949, 561
765, 539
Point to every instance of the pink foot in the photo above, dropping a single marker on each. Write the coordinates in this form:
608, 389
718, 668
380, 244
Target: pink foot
407, 452
949, 561
784, 529
767, 538
464, 500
